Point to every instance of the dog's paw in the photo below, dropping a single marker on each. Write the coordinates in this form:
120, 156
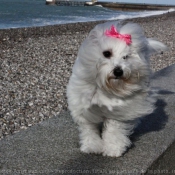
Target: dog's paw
114, 150
92, 147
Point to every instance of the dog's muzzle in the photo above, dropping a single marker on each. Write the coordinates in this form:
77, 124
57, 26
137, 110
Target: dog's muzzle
118, 72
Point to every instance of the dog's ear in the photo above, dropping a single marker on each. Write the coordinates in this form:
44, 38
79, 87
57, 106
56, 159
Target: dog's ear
92, 35
156, 46
96, 33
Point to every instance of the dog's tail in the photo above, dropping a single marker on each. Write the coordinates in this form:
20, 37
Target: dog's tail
156, 46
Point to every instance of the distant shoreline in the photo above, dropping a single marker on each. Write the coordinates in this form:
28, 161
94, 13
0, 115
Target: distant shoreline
113, 5
134, 6
145, 14
23, 33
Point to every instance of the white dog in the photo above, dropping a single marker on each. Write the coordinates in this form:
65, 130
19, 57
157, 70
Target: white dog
109, 85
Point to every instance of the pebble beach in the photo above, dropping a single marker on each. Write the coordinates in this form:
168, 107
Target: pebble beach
36, 63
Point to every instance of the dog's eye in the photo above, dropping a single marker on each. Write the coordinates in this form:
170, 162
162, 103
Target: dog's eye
107, 54
125, 57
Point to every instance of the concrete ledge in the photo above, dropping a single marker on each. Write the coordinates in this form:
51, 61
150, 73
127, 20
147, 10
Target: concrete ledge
52, 146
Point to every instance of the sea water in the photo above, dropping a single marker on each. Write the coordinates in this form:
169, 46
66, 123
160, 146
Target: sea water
29, 13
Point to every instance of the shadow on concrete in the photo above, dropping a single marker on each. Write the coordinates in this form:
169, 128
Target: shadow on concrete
153, 122
165, 92
164, 72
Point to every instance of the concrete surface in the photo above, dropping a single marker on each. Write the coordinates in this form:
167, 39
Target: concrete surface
52, 148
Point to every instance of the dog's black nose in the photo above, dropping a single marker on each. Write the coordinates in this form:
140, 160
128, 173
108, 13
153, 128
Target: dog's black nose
118, 72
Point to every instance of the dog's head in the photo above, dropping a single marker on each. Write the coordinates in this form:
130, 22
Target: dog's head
116, 57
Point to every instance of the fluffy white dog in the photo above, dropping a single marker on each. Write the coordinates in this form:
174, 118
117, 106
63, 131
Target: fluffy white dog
109, 85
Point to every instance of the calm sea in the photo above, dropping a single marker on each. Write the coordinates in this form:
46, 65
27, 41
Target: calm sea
28, 13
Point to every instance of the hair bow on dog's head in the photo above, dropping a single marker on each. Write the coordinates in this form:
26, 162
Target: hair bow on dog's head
115, 34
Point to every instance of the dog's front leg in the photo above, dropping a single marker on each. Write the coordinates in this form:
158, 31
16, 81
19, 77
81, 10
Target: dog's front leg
90, 139
115, 137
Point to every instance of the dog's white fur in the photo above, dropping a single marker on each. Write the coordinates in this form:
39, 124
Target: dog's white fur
95, 95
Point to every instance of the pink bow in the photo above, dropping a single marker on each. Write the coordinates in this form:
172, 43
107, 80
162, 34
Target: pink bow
114, 33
